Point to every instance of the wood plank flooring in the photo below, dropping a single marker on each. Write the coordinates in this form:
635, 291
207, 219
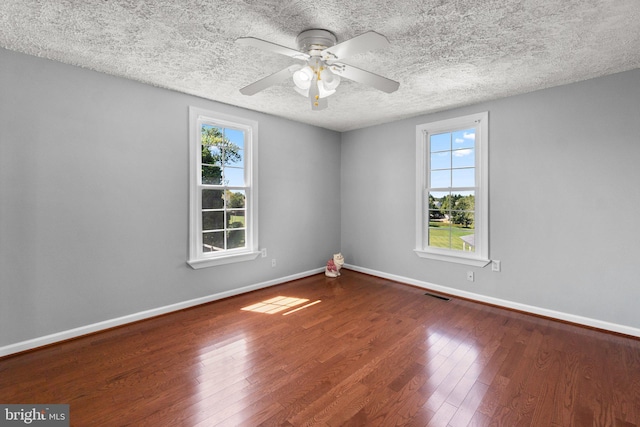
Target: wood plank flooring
372, 352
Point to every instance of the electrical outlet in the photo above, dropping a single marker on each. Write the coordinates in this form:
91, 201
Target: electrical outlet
470, 276
273, 262
264, 253
495, 265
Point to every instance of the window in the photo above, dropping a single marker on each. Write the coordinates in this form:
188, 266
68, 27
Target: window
452, 190
223, 193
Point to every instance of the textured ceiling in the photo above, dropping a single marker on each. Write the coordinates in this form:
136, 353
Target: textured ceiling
444, 53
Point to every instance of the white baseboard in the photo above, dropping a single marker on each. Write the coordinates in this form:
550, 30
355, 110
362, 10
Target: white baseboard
107, 324
572, 318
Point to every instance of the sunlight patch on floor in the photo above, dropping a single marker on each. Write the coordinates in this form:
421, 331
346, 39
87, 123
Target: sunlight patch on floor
275, 305
300, 308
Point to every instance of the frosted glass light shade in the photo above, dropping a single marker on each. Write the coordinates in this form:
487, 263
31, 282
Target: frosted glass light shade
323, 84
302, 78
322, 91
329, 79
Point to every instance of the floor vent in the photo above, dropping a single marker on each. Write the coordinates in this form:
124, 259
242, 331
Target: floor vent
438, 296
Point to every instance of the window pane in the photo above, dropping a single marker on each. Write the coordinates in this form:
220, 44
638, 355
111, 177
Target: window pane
211, 166
439, 234
462, 209
211, 175
463, 177
234, 158
440, 179
213, 241
213, 220
465, 200
440, 142
232, 147
233, 177
463, 158
436, 198
212, 140
235, 219
464, 139
212, 199
236, 198
441, 160
235, 239
235, 136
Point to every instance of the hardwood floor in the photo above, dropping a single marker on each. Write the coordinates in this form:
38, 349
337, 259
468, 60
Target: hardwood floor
371, 353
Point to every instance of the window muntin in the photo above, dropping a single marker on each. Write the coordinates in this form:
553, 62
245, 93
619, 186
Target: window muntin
223, 225
452, 191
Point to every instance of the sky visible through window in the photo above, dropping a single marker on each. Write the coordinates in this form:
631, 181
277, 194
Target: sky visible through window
452, 159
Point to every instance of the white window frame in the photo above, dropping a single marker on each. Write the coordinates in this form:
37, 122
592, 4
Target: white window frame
480, 256
197, 257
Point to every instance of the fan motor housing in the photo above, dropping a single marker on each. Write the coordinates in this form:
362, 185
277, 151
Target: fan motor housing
315, 39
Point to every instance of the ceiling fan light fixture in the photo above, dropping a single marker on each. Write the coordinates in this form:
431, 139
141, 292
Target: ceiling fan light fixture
323, 91
320, 76
302, 78
329, 80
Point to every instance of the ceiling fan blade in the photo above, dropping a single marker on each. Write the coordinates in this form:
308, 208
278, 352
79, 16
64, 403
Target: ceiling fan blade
361, 76
271, 47
362, 43
264, 83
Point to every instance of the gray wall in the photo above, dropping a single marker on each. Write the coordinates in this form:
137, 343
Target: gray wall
94, 199
564, 200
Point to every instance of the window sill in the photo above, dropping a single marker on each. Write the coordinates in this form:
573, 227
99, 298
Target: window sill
222, 260
475, 262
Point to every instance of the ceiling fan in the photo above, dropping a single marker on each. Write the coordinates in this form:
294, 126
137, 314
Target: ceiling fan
319, 75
